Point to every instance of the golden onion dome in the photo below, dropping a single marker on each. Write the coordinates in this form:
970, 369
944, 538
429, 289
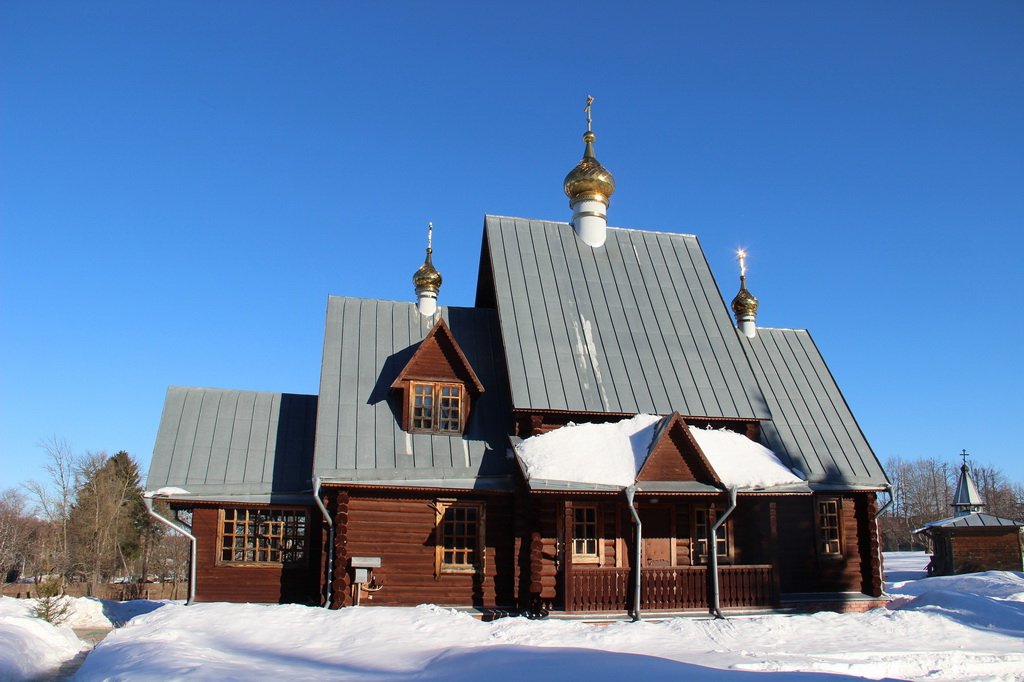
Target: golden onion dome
745, 303
427, 278
589, 180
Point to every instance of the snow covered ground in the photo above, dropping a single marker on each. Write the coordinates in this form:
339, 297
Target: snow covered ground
953, 628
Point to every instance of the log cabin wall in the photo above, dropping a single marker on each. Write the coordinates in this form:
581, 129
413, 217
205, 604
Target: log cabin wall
272, 583
400, 529
803, 567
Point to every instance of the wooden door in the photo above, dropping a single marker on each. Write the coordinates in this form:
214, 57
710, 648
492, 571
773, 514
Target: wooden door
657, 535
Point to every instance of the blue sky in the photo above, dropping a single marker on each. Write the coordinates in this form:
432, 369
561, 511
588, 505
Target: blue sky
183, 184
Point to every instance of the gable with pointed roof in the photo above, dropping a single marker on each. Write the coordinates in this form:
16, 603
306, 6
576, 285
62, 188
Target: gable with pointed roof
675, 456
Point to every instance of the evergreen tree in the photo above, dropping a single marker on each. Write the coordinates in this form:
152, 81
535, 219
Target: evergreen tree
108, 522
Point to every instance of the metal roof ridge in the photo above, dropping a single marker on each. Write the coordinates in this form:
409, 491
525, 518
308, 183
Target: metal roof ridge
784, 329
399, 302
610, 227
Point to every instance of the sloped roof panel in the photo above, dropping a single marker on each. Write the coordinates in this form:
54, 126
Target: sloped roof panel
367, 342
635, 326
221, 444
812, 428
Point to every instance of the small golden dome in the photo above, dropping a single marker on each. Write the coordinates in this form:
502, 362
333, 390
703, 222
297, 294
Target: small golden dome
745, 303
427, 278
589, 180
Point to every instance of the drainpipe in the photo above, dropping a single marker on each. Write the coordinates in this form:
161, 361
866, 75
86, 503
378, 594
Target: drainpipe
178, 527
630, 491
330, 539
716, 609
892, 498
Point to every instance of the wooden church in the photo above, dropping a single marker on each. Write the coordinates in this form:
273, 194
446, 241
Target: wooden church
593, 436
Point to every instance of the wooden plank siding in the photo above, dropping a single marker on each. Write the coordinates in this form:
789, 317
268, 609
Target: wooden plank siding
273, 583
400, 529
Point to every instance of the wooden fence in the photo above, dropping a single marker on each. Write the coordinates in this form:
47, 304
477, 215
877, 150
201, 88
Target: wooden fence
677, 588
115, 591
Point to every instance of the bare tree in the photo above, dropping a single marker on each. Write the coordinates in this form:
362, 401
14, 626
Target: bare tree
15, 530
54, 500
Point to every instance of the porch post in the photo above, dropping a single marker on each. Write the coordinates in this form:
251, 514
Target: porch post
773, 530
568, 591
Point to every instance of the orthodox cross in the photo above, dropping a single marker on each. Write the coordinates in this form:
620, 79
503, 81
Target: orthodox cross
430, 235
965, 456
741, 256
590, 101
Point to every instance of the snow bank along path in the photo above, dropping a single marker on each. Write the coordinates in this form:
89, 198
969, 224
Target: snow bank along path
957, 628
967, 627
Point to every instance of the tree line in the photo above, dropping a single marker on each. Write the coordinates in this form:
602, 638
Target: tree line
86, 523
923, 490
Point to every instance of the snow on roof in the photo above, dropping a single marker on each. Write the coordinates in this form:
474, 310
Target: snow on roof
613, 453
741, 462
602, 454
167, 491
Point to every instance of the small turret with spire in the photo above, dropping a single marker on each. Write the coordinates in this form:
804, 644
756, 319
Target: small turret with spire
427, 280
744, 305
589, 187
966, 498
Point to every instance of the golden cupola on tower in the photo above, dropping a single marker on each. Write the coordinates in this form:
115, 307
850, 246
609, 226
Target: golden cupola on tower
589, 180
589, 187
744, 305
427, 280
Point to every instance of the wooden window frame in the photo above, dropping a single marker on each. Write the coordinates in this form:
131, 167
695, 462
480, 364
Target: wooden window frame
265, 536
580, 535
437, 399
700, 529
829, 536
442, 536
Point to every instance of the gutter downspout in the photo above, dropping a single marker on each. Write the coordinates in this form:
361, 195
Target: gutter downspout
715, 605
330, 540
630, 491
892, 498
178, 527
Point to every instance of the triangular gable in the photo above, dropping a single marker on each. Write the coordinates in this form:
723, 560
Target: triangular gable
439, 358
675, 456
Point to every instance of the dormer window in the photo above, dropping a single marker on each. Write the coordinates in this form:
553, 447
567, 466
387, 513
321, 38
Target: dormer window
437, 407
436, 389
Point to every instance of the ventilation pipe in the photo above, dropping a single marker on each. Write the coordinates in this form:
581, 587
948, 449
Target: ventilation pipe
330, 540
178, 527
716, 609
630, 492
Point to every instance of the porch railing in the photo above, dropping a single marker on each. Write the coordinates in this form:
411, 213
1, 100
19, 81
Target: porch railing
682, 587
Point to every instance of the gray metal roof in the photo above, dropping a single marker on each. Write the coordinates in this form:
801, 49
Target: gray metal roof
635, 326
812, 428
366, 344
243, 446
966, 495
972, 520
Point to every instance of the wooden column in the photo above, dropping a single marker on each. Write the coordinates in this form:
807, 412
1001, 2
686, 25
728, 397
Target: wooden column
567, 570
773, 530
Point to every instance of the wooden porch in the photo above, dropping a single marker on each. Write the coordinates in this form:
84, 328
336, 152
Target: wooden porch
668, 588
